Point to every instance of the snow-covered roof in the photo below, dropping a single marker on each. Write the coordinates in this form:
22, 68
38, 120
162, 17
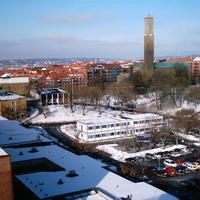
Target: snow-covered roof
90, 174
6, 79
11, 132
10, 96
51, 91
197, 59
141, 116
102, 120
2, 152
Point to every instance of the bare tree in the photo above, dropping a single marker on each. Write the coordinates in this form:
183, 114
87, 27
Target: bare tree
123, 91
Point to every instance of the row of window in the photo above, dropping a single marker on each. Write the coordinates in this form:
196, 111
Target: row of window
147, 121
107, 134
108, 126
143, 129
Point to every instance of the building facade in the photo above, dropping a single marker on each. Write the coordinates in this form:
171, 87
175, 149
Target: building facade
149, 44
6, 191
12, 106
115, 127
16, 85
196, 69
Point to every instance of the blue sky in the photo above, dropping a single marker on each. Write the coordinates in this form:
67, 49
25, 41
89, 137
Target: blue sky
96, 28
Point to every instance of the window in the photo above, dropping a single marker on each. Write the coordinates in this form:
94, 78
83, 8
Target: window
90, 127
97, 127
104, 126
117, 124
112, 134
13, 106
112, 125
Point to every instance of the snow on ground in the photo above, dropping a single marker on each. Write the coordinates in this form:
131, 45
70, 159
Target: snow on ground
189, 137
122, 155
63, 114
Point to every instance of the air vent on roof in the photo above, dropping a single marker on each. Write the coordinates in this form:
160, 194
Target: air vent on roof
60, 181
33, 150
72, 173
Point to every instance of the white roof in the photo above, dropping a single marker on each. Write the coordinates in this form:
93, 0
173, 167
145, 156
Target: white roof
2, 152
10, 96
5, 79
102, 120
11, 132
141, 116
90, 175
197, 59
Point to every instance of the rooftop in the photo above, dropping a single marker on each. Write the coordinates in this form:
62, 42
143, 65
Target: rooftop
9, 96
55, 183
11, 132
2, 152
141, 116
102, 120
51, 91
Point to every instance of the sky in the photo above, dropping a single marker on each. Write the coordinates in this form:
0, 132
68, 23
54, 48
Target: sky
97, 28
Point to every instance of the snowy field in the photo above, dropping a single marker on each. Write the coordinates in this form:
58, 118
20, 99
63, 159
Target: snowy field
63, 114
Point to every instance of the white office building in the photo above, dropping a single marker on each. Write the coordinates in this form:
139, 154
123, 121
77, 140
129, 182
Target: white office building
116, 127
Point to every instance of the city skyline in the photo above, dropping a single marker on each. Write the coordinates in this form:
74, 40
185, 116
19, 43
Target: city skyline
89, 28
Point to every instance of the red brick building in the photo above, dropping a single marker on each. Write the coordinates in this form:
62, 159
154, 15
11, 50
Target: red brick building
6, 191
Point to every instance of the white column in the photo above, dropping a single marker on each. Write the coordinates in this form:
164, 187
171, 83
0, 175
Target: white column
63, 98
52, 99
58, 98
46, 99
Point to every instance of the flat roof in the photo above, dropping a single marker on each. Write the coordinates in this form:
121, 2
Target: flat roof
2, 152
141, 116
11, 132
90, 174
102, 120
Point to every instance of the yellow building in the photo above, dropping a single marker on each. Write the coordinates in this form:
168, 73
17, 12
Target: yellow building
12, 106
16, 85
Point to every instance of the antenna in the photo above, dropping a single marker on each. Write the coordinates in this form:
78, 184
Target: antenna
148, 15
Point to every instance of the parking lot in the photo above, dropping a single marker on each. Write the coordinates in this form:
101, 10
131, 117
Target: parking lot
177, 171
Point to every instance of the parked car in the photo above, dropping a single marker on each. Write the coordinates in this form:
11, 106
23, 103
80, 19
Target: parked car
181, 170
170, 171
161, 173
169, 163
134, 159
179, 162
175, 154
191, 166
150, 156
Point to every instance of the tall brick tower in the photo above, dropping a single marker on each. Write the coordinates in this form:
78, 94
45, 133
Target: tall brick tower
6, 191
149, 44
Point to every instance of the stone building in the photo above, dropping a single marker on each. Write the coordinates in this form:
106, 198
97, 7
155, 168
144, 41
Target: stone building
6, 191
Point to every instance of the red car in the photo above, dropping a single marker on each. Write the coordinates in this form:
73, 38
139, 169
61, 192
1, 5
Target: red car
170, 171
179, 162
